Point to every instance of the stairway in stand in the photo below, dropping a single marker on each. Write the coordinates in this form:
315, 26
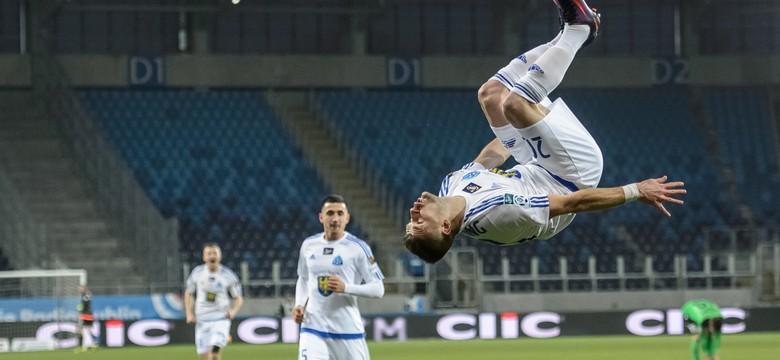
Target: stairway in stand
58, 198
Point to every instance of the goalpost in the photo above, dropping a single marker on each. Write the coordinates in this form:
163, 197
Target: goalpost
38, 308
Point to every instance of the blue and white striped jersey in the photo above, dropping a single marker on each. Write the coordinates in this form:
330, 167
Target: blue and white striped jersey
329, 314
506, 207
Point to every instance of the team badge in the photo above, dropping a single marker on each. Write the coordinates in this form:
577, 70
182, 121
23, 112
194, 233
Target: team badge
327, 251
472, 188
337, 261
471, 175
322, 285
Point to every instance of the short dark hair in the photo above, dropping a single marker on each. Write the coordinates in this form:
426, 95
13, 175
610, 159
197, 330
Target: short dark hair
428, 248
333, 199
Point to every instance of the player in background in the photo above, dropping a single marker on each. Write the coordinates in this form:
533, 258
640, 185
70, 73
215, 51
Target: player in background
218, 297
86, 319
704, 321
560, 164
334, 268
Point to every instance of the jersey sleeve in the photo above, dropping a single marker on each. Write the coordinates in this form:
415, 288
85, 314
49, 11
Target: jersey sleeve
534, 208
369, 273
192, 285
301, 286
235, 290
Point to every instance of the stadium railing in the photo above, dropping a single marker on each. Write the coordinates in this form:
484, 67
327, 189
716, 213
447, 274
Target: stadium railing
736, 274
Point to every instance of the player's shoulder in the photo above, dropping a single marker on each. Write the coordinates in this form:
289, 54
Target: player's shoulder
226, 271
359, 244
198, 269
312, 239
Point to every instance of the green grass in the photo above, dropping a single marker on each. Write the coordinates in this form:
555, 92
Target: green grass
757, 346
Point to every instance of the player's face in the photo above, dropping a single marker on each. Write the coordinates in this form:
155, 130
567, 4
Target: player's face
425, 216
334, 218
212, 255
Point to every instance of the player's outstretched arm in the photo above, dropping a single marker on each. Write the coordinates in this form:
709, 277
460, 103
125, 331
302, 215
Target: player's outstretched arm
492, 155
654, 192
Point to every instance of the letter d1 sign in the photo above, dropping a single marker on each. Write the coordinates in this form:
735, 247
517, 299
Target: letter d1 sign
146, 71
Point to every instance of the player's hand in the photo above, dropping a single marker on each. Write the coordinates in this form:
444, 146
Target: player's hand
335, 284
656, 192
191, 318
297, 314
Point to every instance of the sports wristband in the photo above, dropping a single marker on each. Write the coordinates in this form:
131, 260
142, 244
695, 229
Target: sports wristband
631, 192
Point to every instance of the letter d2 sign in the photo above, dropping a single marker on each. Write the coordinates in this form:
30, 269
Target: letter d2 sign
146, 71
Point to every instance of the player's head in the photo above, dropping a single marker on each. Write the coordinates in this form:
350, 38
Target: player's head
212, 254
430, 233
334, 216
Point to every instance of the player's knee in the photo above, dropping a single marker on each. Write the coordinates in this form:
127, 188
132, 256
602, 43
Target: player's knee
517, 111
489, 94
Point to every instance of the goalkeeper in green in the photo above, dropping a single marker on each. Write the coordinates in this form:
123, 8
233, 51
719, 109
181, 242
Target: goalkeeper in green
704, 322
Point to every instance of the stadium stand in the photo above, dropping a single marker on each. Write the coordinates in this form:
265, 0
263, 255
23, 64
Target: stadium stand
220, 163
638, 139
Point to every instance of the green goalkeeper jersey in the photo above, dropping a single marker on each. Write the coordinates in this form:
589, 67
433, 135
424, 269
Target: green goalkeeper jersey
700, 310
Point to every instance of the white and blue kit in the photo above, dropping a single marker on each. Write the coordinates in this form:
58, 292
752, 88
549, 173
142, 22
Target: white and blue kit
332, 327
213, 291
559, 156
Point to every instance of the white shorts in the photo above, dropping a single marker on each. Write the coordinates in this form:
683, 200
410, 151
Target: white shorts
211, 333
561, 145
313, 347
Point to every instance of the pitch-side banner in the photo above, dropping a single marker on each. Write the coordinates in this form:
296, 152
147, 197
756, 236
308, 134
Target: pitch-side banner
459, 326
155, 306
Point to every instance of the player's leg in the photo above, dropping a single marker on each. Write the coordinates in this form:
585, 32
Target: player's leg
546, 73
352, 349
312, 347
202, 335
219, 338
493, 92
560, 143
80, 335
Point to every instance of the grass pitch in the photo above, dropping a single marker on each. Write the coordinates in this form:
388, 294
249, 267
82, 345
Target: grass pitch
755, 346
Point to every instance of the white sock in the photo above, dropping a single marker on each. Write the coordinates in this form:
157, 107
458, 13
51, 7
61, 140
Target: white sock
547, 71
513, 143
530, 56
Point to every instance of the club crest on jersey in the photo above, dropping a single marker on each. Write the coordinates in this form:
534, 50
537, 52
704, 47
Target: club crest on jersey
327, 251
471, 175
322, 285
472, 188
337, 261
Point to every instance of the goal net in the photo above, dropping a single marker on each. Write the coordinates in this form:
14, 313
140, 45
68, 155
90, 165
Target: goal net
39, 309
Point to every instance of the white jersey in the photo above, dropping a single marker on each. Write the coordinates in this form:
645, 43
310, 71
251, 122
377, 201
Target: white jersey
507, 206
328, 314
213, 291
